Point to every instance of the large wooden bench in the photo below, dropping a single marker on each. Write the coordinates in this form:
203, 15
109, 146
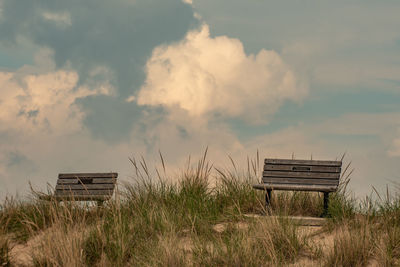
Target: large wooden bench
84, 187
300, 175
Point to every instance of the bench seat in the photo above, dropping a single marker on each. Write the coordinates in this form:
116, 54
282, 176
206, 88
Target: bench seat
284, 187
72, 197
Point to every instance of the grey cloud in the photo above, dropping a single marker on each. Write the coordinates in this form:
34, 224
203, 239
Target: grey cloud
19, 167
183, 133
30, 114
327, 42
113, 118
15, 159
117, 35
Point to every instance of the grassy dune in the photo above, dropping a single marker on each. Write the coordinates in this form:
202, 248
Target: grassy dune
199, 220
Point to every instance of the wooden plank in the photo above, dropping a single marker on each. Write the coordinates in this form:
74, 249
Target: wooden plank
317, 175
298, 220
317, 188
83, 192
304, 162
85, 186
270, 167
80, 198
305, 221
300, 181
94, 181
87, 175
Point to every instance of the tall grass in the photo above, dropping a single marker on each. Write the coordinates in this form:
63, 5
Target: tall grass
24, 219
388, 247
388, 226
263, 243
297, 203
60, 246
4, 251
367, 232
352, 247
158, 221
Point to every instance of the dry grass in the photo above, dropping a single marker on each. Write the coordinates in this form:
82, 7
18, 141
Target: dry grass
60, 246
388, 247
189, 222
265, 242
352, 247
4, 251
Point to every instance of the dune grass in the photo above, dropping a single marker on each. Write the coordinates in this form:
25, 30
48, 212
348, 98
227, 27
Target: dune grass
198, 219
4, 251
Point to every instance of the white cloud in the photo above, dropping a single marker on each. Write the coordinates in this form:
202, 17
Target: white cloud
395, 152
197, 16
131, 98
61, 19
204, 76
395, 149
43, 102
190, 2
1, 8
41, 126
38, 98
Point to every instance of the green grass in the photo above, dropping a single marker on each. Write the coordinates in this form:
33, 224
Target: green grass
158, 221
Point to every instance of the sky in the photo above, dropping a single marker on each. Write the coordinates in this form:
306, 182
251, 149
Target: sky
84, 85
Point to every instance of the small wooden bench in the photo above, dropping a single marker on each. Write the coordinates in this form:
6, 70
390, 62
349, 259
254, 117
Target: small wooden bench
300, 175
84, 187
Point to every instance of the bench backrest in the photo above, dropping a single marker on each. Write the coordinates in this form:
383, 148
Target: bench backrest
86, 186
295, 173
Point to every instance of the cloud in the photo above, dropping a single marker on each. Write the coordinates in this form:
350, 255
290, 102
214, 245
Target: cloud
41, 124
42, 102
1, 8
116, 36
204, 75
395, 149
337, 45
61, 19
190, 2
40, 98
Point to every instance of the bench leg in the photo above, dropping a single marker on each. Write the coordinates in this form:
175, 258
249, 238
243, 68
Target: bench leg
326, 204
268, 198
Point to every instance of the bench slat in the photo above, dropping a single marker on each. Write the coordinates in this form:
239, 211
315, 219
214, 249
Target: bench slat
83, 192
87, 186
300, 181
318, 188
304, 162
87, 175
313, 175
81, 197
94, 181
269, 167
84, 186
